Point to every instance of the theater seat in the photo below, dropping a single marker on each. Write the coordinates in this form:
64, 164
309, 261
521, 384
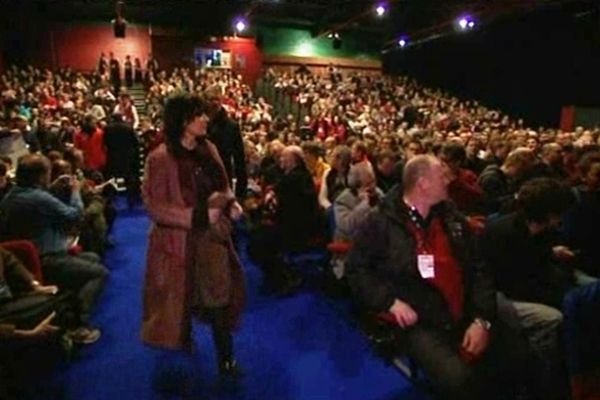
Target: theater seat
28, 254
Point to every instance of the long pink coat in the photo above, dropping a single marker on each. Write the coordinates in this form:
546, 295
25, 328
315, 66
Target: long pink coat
167, 309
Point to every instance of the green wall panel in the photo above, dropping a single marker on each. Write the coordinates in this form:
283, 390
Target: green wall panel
300, 43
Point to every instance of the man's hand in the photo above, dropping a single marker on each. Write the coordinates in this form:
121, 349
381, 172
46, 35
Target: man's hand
563, 253
51, 289
476, 340
404, 314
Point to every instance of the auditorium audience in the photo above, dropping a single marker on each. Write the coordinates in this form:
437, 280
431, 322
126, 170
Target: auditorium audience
292, 126
534, 268
30, 212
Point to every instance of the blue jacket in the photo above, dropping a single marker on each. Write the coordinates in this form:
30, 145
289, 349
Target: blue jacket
35, 214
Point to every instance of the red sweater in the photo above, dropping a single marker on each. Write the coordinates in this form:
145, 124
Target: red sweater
448, 277
93, 148
465, 192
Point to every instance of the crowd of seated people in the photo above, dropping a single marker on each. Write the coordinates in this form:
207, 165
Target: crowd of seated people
326, 177
56, 205
529, 195
313, 179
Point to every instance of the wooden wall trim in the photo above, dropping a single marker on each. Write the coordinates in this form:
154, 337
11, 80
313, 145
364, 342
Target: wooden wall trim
323, 61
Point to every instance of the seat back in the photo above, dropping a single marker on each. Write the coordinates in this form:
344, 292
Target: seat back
28, 254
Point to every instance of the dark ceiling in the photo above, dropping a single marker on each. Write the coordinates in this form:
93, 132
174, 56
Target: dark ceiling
412, 17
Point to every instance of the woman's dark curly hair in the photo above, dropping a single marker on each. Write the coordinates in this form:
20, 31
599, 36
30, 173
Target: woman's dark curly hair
180, 110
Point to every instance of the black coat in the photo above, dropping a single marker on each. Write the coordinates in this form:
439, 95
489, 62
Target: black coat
382, 266
522, 264
225, 134
496, 188
122, 150
297, 213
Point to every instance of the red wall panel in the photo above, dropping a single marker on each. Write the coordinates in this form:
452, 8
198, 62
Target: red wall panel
567, 118
174, 50
246, 58
79, 45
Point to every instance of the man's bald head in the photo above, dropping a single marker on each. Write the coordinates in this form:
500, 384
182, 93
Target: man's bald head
417, 167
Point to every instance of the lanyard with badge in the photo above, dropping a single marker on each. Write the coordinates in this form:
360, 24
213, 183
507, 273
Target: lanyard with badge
425, 259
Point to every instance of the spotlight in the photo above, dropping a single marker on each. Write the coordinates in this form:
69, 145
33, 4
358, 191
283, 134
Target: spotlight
465, 23
240, 25
402, 43
380, 10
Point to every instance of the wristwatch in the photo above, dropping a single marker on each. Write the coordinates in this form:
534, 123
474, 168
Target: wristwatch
485, 324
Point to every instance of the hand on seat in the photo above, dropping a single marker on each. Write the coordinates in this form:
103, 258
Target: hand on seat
404, 314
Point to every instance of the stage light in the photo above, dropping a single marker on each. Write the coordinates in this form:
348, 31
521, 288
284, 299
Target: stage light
380, 10
465, 23
240, 25
402, 43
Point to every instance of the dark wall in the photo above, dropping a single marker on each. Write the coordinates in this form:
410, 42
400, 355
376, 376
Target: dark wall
529, 66
30, 34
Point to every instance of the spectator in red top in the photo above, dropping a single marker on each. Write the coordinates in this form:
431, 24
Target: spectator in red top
463, 188
49, 101
338, 129
90, 140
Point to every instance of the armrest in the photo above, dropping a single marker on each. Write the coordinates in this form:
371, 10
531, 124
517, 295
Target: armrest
339, 247
28, 254
387, 318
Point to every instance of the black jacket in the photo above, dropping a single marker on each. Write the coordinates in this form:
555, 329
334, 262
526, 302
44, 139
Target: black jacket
297, 212
225, 134
122, 149
522, 264
495, 186
382, 266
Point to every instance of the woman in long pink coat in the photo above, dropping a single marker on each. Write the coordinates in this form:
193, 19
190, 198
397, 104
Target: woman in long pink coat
192, 265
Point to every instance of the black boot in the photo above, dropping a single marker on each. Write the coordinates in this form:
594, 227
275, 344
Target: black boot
223, 339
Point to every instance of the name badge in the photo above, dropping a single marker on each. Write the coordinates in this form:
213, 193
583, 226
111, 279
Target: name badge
426, 266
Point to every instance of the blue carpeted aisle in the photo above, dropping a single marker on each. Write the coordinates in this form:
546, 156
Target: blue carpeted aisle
296, 348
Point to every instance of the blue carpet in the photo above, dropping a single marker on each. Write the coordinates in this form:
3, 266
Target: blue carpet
296, 348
